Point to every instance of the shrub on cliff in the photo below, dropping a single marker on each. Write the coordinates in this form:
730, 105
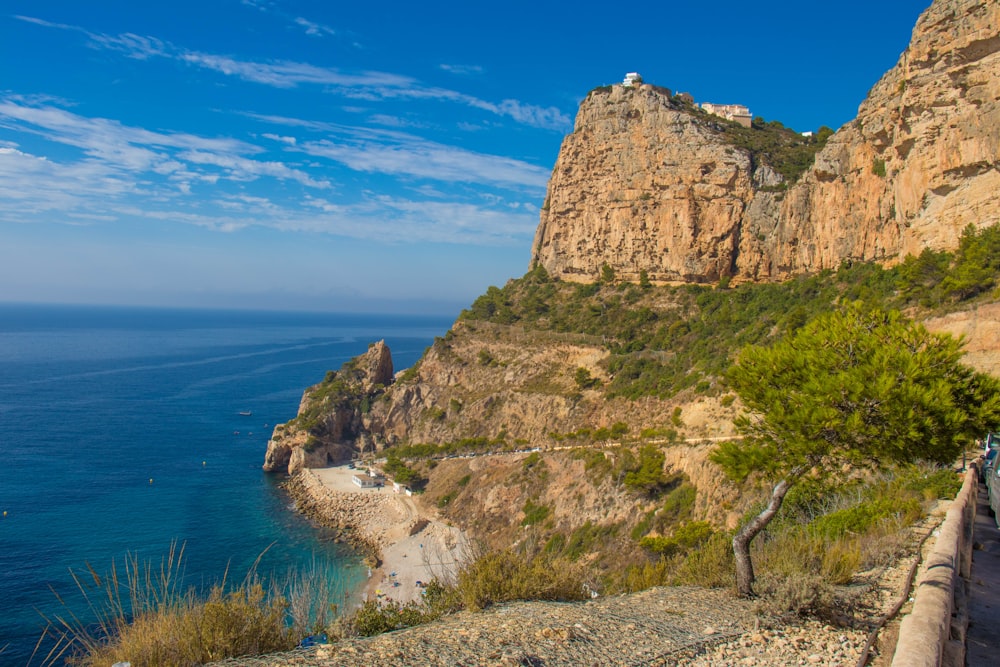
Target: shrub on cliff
504, 576
490, 578
854, 389
668, 339
148, 618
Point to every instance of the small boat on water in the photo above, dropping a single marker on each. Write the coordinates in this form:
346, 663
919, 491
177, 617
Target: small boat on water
246, 413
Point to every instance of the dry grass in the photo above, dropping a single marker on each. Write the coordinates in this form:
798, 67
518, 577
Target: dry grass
143, 615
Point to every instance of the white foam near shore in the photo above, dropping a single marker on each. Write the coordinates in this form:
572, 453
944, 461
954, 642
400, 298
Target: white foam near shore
415, 546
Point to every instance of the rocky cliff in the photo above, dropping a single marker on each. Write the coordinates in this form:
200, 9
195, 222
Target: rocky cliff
329, 425
646, 182
649, 185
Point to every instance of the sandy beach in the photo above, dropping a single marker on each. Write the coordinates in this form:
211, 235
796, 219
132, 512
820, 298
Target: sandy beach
413, 546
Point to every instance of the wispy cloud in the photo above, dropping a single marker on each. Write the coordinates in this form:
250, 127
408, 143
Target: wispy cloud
287, 74
291, 141
426, 159
383, 219
367, 85
400, 153
462, 69
314, 29
117, 160
122, 172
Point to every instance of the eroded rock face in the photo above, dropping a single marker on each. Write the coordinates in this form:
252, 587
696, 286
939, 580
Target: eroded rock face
645, 184
328, 427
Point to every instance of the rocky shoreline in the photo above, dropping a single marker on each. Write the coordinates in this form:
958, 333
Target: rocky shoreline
404, 546
346, 515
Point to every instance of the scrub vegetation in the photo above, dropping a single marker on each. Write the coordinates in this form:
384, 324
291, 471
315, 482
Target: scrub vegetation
662, 341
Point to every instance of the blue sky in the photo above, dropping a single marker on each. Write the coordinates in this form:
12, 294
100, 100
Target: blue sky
379, 156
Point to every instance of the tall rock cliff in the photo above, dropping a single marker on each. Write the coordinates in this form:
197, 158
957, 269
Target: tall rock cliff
648, 183
329, 425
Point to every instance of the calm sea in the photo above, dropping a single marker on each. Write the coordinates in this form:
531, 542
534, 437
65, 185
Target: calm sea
120, 432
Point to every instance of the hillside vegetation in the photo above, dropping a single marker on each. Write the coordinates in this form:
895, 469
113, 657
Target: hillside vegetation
663, 340
674, 344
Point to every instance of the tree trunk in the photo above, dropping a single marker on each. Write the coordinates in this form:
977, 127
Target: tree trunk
741, 542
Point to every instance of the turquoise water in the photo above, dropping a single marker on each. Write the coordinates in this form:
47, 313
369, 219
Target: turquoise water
120, 432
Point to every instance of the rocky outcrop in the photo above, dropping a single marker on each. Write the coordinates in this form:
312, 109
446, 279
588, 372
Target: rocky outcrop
329, 423
647, 183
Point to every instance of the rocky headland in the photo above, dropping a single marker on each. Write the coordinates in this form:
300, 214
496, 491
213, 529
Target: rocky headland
649, 189
646, 182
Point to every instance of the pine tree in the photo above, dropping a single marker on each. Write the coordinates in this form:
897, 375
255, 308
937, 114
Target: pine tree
853, 388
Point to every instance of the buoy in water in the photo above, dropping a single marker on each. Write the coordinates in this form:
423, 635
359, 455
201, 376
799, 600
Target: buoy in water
203, 463
150, 480
5, 514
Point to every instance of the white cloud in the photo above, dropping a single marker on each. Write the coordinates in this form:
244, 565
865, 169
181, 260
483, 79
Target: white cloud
412, 156
128, 173
276, 137
117, 164
394, 152
243, 169
314, 29
365, 85
462, 69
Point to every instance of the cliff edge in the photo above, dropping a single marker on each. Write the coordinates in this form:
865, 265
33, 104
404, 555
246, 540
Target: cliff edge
648, 183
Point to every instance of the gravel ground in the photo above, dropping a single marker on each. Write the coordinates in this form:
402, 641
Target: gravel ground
661, 626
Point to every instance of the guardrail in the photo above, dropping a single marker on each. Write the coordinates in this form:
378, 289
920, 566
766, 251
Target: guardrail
933, 633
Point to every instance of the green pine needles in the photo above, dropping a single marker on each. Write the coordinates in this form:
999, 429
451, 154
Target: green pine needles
856, 388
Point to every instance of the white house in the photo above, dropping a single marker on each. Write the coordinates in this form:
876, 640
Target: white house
631, 79
364, 481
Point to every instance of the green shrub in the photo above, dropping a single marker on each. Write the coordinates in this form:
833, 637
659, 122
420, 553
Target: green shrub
533, 513
531, 460
932, 484
376, 617
647, 476
711, 565
402, 473
684, 538
863, 517
504, 576
584, 538
584, 380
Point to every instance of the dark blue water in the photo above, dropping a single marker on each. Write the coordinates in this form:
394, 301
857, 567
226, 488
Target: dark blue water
120, 432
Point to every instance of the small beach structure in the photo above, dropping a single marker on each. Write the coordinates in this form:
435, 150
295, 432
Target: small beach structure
365, 481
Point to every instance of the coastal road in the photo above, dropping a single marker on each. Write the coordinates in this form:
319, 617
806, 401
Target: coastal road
982, 643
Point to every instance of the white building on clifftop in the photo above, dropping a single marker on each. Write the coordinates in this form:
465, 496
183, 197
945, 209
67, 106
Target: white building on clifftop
632, 79
736, 112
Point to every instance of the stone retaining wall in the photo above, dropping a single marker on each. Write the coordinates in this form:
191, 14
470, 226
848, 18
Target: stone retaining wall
933, 633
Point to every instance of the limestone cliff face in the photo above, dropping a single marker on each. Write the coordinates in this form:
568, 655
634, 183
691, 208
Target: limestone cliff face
643, 183
329, 425
646, 183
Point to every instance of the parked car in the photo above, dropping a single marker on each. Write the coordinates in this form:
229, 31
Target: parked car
987, 468
993, 490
